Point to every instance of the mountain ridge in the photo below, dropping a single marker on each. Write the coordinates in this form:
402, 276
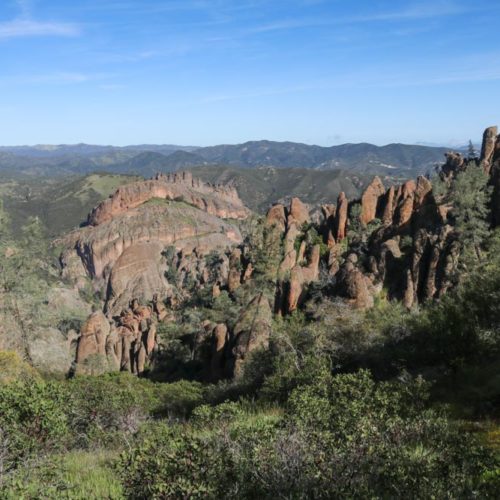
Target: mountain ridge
398, 158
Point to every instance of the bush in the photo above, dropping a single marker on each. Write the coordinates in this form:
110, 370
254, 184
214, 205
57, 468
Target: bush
13, 368
32, 420
174, 464
109, 408
177, 400
342, 437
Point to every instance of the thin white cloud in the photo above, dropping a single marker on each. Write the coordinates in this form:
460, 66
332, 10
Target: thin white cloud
26, 26
56, 78
29, 28
421, 10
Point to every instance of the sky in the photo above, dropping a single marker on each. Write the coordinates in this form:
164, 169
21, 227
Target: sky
204, 72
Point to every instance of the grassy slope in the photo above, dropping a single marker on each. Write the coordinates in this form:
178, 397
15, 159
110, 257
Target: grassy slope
61, 204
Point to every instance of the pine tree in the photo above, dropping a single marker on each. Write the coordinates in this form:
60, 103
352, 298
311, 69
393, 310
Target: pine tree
471, 152
470, 195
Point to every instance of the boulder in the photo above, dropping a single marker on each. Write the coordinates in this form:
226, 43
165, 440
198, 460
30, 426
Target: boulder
353, 285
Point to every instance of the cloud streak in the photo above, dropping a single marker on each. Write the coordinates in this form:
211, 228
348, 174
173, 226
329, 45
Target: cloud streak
25, 26
415, 12
57, 78
19, 28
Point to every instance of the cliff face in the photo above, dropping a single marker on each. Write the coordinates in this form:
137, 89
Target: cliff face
220, 201
122, 248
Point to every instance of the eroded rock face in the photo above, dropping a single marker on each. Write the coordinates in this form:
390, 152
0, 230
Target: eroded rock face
276, 217
341, 217
301, 275
123, 248
371, 200
300, 263
353, 285
93, 336
412, 256
298, 211
221, 201
123, 344
488, 148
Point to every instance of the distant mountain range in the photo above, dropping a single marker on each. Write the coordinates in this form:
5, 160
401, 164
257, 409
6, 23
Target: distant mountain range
393, 159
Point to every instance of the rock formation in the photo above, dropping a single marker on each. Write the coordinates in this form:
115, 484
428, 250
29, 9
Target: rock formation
413, 254
125, 343
251, 332
220, 201
299, 266
341, 217
158, 239
370, 201
488, 148
122, 250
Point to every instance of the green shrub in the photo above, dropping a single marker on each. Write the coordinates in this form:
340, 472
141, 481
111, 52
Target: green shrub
206, 416
342, 437
13, 368
177, 399
108, 408
32, 420
174, 464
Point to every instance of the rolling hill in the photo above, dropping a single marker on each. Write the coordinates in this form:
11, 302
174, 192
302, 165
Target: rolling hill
393, 159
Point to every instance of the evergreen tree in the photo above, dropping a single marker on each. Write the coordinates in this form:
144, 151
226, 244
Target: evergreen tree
470, 195
471, 152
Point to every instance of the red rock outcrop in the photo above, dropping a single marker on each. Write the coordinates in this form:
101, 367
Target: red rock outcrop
300, 276
488, 148
341, 217
276, 217
123, 248
298, 211
370, 201
93, 336
251, 332
389, 203
221, 201
125, 344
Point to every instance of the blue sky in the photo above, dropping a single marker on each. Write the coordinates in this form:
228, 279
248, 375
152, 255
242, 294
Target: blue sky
205, 72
